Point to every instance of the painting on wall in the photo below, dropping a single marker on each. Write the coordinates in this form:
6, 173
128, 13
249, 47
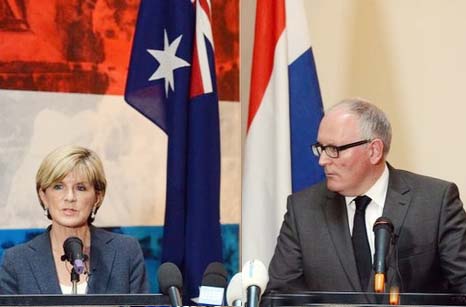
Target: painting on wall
63, 66
83, 46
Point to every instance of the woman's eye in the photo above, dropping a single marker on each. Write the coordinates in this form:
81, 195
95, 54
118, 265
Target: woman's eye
82, 188
57, 186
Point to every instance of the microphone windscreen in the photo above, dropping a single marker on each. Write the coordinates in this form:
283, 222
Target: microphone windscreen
73, 252
169, 276
254, 274
215, 275
72, 245
235, 289
383, 222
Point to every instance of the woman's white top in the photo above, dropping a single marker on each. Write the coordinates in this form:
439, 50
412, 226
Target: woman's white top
81, 289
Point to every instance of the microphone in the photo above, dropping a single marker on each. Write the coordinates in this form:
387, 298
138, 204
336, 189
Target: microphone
170, 282
215, 275
73, 249
213, 285
235, 291
254, 277
383, 229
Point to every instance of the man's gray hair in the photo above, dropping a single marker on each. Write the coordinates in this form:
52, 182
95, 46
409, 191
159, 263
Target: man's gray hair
373, 121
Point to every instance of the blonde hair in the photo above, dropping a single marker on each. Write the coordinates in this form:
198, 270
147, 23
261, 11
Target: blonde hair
63, 160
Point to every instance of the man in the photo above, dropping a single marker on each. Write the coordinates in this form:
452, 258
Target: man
317, 248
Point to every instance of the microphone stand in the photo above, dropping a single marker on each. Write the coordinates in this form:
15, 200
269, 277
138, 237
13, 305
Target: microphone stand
396, 283
74, 281
74, 275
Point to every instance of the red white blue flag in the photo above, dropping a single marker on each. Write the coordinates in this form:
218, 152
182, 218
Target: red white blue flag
172, 82
285, 109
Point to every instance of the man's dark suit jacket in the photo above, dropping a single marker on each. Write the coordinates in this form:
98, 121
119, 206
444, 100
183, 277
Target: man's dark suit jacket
117, 266
314, 249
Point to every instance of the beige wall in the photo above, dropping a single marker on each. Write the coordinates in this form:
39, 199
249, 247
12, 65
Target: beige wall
407, 56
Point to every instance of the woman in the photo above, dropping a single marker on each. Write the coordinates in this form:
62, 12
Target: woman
71, 185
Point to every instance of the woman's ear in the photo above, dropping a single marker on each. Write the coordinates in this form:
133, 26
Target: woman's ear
98, 196
43, 198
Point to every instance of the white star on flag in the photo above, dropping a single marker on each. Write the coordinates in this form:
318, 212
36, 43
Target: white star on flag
168, 62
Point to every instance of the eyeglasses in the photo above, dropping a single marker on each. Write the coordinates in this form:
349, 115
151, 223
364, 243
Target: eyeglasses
334, 151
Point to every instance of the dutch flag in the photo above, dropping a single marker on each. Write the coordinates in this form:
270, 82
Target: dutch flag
285, 109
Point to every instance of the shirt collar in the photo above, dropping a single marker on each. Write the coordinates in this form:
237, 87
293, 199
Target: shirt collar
377, 192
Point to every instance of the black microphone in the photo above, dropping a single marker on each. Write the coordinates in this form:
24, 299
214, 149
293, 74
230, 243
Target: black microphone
170, 282
214, 282
73, 248
383, 230
215, 275
254, 278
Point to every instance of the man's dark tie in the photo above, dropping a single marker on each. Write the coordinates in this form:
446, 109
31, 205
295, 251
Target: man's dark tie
362, 251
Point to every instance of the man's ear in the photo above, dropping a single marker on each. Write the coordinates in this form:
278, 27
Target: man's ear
376, 151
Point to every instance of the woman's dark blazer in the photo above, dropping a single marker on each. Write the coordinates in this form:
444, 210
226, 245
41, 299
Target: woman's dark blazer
116, 267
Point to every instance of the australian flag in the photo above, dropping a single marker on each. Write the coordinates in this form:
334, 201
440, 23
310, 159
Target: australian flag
171, 81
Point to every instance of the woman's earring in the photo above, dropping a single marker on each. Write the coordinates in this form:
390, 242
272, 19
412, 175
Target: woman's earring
93, 213
46, 212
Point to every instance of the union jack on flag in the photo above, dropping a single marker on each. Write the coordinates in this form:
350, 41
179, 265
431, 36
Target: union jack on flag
172, 82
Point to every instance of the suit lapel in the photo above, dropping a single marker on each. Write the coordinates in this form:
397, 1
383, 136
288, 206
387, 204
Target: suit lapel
43, 266
337, 221
397, 200
396, 207
102, 258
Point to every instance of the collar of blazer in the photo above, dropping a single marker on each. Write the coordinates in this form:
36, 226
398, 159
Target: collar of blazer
43, 266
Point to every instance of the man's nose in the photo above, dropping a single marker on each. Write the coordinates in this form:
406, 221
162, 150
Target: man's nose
324, 159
